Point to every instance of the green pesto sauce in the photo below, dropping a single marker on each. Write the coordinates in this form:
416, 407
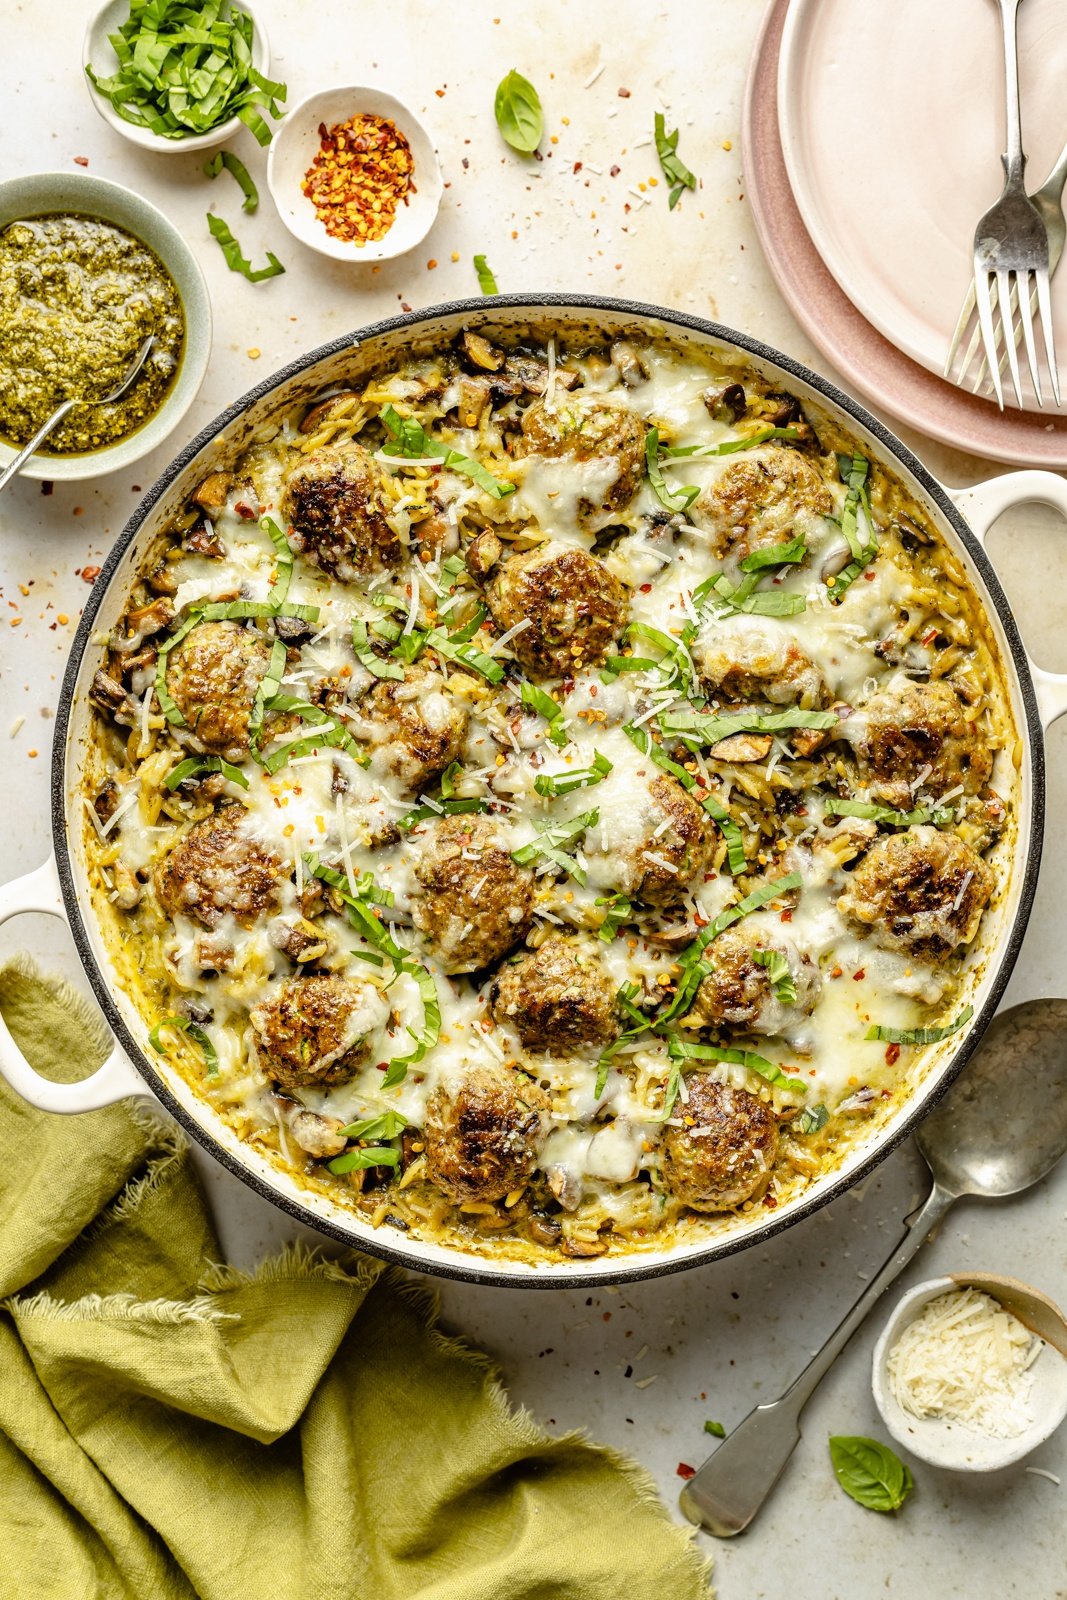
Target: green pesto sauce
77, 297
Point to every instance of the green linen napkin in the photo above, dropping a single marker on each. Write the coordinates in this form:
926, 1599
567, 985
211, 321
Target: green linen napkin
171, 1428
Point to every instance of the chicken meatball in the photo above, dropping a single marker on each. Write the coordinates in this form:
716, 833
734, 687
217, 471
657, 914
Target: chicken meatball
558, 998
741, 659
218, 869
416, 726
741, 991
483, 1133
650, 840
760, 498
212, 677
336, 504
923, 891
588, 428
476, 902
574, 607
315, 1031
723, 1153
920, 734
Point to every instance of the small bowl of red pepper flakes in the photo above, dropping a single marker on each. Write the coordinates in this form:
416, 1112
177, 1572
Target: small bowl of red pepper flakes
354, 174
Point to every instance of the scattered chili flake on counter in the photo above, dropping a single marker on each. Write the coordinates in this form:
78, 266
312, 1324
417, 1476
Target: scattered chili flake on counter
363, 170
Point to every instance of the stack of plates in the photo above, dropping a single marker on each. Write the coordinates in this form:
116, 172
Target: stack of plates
872, 137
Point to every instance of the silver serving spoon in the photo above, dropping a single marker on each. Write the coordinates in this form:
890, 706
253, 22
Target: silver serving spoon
999, 1130
15, 466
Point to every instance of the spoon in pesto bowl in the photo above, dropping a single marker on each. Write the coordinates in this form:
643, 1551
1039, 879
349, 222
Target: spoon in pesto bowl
15, 466
1000, 1129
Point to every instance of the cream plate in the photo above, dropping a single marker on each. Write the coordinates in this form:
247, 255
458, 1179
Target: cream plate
892, 132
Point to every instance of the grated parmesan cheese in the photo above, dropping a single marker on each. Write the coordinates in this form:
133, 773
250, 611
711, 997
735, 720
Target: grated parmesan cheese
965, 1359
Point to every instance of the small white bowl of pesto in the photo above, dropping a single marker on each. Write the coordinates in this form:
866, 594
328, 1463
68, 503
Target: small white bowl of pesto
201, 93
87, 270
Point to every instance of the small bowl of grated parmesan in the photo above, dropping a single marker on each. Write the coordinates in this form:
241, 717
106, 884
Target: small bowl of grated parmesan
970, 1372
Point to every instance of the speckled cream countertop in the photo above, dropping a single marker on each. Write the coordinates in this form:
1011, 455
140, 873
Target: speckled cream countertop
643, 1367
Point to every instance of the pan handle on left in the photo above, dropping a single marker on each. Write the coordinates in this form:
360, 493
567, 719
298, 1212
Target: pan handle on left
116, 1079
980, 506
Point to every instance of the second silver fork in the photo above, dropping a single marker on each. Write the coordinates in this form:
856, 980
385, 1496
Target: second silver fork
1011, 253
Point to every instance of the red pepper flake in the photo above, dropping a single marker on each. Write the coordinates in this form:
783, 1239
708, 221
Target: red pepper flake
859, 975
892, 1054
614, 172
362, 171
869, 575
90, 574
684, 1470
81, 161
624, 94
646, 588
577, 167
837, 972
786, 916
245, 513
770, 1202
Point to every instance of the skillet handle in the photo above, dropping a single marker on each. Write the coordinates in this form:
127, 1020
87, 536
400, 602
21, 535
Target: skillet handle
980, 506
116, 1079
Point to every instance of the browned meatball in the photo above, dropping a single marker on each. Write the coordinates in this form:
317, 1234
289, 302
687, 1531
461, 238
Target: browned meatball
921, 733
761, 498
723, 1153
336, 503
483, 1133
739, 991
212, 676
315, 1031
576, 608
635, 851
476, 902
558, 998
742, 659
922, 890
582, 427
417, 725
219, 869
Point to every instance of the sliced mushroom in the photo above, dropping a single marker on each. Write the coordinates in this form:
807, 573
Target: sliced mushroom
109, 696
860, 1104
483, 553
211, 495
106, 803
204, 541
127, 890
630, 367
836, 561
473, 399
566, 1185
483, 354
546, 1230
317, 1136
300, 941
143, 623
293, 630
161, 579
743, 747
728, 404
319, 413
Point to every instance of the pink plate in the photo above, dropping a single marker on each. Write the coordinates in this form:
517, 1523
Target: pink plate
876, 368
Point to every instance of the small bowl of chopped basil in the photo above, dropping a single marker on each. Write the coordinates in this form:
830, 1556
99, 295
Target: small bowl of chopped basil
180, 76
88, 270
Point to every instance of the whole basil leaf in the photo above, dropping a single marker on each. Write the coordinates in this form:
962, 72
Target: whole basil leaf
519, 117
870, 1472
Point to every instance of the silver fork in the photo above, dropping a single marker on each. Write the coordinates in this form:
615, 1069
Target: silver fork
1010, 244
1049, 201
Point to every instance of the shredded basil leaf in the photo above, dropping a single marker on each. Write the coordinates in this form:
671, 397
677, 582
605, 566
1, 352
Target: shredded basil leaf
235, 260
614, 666
541, 702
697, 728
728, 447
384, 1125
620, 910
184, 69
940, 817
920, 1035
870, 1473
284, 571
517, 108
716, 1430
580, 778
368, 657
673, 499
440, 808
685, 1050
375, 1155
694, 970
194, 764
756, 602
675, 171
811, 1119
776, 555
410, 440
735, 845
780, 974
624, 1000
486, 281
233, 164
854, 471
269, 685
197, 1034
551, 836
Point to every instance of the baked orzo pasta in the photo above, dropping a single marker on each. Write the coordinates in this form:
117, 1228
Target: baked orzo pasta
545, 795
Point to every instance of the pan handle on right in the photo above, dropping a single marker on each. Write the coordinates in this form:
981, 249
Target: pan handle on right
980, 506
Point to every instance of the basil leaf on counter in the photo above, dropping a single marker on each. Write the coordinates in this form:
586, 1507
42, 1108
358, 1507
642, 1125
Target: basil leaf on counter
517, 108
235, 166
716, 1430
675, 171
235, 260
870, 1473
486, 281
